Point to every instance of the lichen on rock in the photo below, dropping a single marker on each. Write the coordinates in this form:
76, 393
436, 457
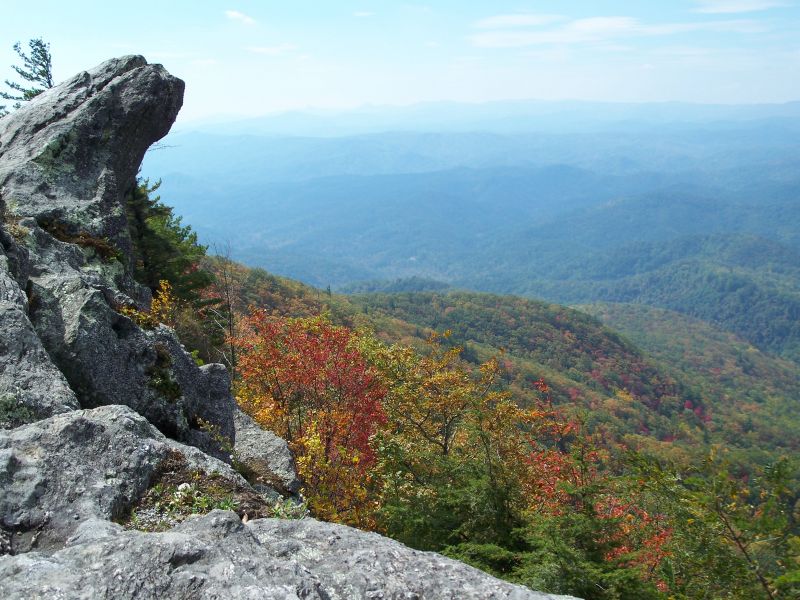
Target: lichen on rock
67, 159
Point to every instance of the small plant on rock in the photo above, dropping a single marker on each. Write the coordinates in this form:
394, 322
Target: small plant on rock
12, 223
163, 309
160, 373
13, 412
289, 509
178, 491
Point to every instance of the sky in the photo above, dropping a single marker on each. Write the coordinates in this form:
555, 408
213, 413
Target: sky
249, 57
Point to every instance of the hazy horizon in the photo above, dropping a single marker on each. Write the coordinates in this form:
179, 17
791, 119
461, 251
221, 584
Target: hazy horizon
334, 111
247, 58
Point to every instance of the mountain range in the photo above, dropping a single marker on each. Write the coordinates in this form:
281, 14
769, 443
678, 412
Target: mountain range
690, 208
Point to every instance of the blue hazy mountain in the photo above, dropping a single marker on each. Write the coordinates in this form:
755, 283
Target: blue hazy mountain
505, 117
691, 208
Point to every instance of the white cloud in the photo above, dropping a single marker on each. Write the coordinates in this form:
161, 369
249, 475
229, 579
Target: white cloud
582, 30
736, 6
517, 20
603, 26
553, 54
235, 15
278, 50
604, 29
363, 13
418, 8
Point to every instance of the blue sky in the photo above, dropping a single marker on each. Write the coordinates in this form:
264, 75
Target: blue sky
251, 57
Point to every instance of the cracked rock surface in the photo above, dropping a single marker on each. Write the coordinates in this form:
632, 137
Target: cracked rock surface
265, 455
218, 556
67, 160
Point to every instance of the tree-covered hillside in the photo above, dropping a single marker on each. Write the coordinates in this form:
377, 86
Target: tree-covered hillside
755, 395
526, 439
592, 395
634, 387
743, 283
722, 391
697, 217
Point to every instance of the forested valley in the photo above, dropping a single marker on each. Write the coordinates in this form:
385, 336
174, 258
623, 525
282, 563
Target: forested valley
528, 439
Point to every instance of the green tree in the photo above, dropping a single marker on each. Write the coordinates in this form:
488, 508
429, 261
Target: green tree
36, 73
449, 454
168, 258
735, 535
163, 248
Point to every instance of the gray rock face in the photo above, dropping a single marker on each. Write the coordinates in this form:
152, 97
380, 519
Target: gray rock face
355, 564
64, 478
264, 455
67, 160
28, 379
217, 556
31, 386
84, 464
71, 153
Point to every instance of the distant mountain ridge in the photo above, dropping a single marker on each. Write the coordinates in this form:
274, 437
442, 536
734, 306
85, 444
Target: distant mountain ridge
690, 208
509, 116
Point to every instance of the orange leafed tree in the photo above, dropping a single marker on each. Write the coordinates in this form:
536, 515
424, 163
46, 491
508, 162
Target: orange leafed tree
306, 380
431, 451
450, 454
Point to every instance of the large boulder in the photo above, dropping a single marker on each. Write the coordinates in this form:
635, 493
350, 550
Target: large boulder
264, 457
92, 464
69, 155
67, 160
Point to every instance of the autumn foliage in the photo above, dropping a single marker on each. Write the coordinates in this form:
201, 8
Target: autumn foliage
423, 448
306, 380
594, 487
482, 460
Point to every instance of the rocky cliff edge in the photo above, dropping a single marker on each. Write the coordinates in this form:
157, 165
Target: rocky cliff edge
87, 434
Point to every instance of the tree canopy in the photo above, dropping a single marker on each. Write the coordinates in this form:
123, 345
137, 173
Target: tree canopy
163, 247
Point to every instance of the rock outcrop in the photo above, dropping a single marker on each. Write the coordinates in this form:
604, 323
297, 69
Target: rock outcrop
218, 556
87, 464
101, 464
67, 159
265, 456
70, 154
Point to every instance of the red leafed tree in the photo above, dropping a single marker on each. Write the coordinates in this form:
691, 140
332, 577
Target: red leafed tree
306, 380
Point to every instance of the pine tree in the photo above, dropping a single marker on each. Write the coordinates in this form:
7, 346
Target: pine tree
36, 72
163, 248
